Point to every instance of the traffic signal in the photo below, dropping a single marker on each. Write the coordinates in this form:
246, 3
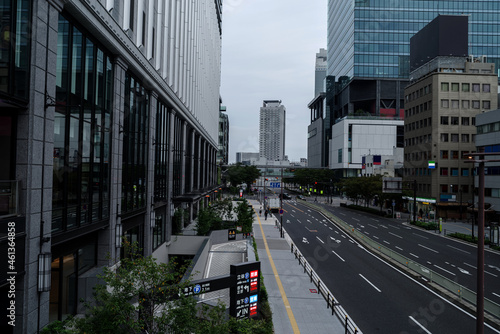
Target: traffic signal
315, 182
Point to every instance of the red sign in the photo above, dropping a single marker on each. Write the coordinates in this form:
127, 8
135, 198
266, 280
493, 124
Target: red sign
253, 310
313, 290
254, 274
254, 284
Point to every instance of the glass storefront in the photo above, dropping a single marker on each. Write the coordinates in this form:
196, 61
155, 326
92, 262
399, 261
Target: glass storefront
82, 124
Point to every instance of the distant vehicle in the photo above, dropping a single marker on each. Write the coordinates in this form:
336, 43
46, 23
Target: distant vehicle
301, 197
274, 204
286, 196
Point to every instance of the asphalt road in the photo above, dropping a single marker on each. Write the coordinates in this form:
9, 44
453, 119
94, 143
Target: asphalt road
378, 297
450, 258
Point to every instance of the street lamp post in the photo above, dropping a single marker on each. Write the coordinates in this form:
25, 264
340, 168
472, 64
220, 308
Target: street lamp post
480, 238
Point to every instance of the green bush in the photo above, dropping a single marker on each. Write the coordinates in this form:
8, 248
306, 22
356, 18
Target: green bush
427, 226
468, 238
366, 209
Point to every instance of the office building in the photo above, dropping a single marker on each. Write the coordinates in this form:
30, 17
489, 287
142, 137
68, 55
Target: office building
247, 158
108, 123
223, 151
320, 72
365, 136
442, 102
488, 141
272, 130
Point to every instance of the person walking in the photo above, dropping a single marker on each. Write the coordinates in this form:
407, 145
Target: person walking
265, 214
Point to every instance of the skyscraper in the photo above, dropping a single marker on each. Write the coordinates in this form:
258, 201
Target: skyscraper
369, 47
272, 130
320, 74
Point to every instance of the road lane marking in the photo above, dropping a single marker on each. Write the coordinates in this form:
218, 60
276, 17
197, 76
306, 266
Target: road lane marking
356, 219
320, 240
399, 248
375, 220
343, 214
421, 236
383, 226
342, 258
376, 237
470, 265
373, 226
387, 242
414, 255
363, 277
458, 249
289, 311
394, 234
397, 228
496, 294
299, 221
432, 250
449, 272
420, 325
463, 271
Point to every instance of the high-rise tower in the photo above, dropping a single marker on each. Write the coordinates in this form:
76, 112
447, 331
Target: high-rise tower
272, 130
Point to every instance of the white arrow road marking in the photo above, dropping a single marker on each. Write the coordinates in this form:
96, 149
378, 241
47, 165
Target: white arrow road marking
463, 271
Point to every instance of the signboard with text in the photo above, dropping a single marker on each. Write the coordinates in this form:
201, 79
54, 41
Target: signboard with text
244, 296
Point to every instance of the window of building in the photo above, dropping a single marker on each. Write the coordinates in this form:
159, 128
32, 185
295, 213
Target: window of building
161, 152
486, 105
454, 188
465, 87
445, 103
443, 171
455, 104
476, 88
339, 156
444, 154
444, 188
82, 128
465, 138
465, 104
159, 231
444, 137
445, 86
454, 86
135, 144
454, 171
454, 155
465, 171
454, 120
465, 121
486, 88
473, 121
476, 104
454, 137
444, 120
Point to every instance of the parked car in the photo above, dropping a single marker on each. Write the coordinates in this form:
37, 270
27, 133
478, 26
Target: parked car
301, 197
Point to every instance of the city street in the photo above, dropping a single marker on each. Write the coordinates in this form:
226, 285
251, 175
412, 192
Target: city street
379, 297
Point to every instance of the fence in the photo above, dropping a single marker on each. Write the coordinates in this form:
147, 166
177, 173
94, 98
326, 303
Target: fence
336, 308
458, 290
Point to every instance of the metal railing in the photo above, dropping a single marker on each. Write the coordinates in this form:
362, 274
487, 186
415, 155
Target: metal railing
337, 309
458, 290
9, 198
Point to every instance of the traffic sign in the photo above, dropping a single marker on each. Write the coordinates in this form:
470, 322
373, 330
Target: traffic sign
281, 211
275, 184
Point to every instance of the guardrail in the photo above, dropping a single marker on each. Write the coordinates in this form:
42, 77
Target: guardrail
458, 290
337, 309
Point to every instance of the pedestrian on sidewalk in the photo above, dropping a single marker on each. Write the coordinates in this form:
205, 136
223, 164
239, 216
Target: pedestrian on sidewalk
265, 214
260, 212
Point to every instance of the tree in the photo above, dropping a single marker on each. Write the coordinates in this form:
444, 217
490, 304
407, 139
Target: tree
240, 174
244, 215
136, 297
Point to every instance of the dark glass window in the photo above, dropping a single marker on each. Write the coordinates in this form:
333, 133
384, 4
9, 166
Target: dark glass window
161, 152
178, 150
159, 231
81, 131
135, 135
15, 46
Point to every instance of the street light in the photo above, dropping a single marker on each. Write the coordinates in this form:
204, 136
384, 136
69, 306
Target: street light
480, 237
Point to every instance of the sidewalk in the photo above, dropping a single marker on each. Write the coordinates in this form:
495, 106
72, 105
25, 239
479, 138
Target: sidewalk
295, 305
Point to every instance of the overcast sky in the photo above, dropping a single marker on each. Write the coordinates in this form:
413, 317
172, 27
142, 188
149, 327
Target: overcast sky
268, 53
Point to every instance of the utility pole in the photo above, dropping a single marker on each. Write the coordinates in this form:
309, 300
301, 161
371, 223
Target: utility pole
281, 205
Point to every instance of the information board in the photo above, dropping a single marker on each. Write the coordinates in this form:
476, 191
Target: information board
244, 296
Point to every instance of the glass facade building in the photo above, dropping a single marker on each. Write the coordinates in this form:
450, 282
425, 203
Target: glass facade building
371, 38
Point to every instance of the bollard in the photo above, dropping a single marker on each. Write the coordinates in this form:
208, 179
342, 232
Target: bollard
346, 331
333, 306
319, 285
328, 300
